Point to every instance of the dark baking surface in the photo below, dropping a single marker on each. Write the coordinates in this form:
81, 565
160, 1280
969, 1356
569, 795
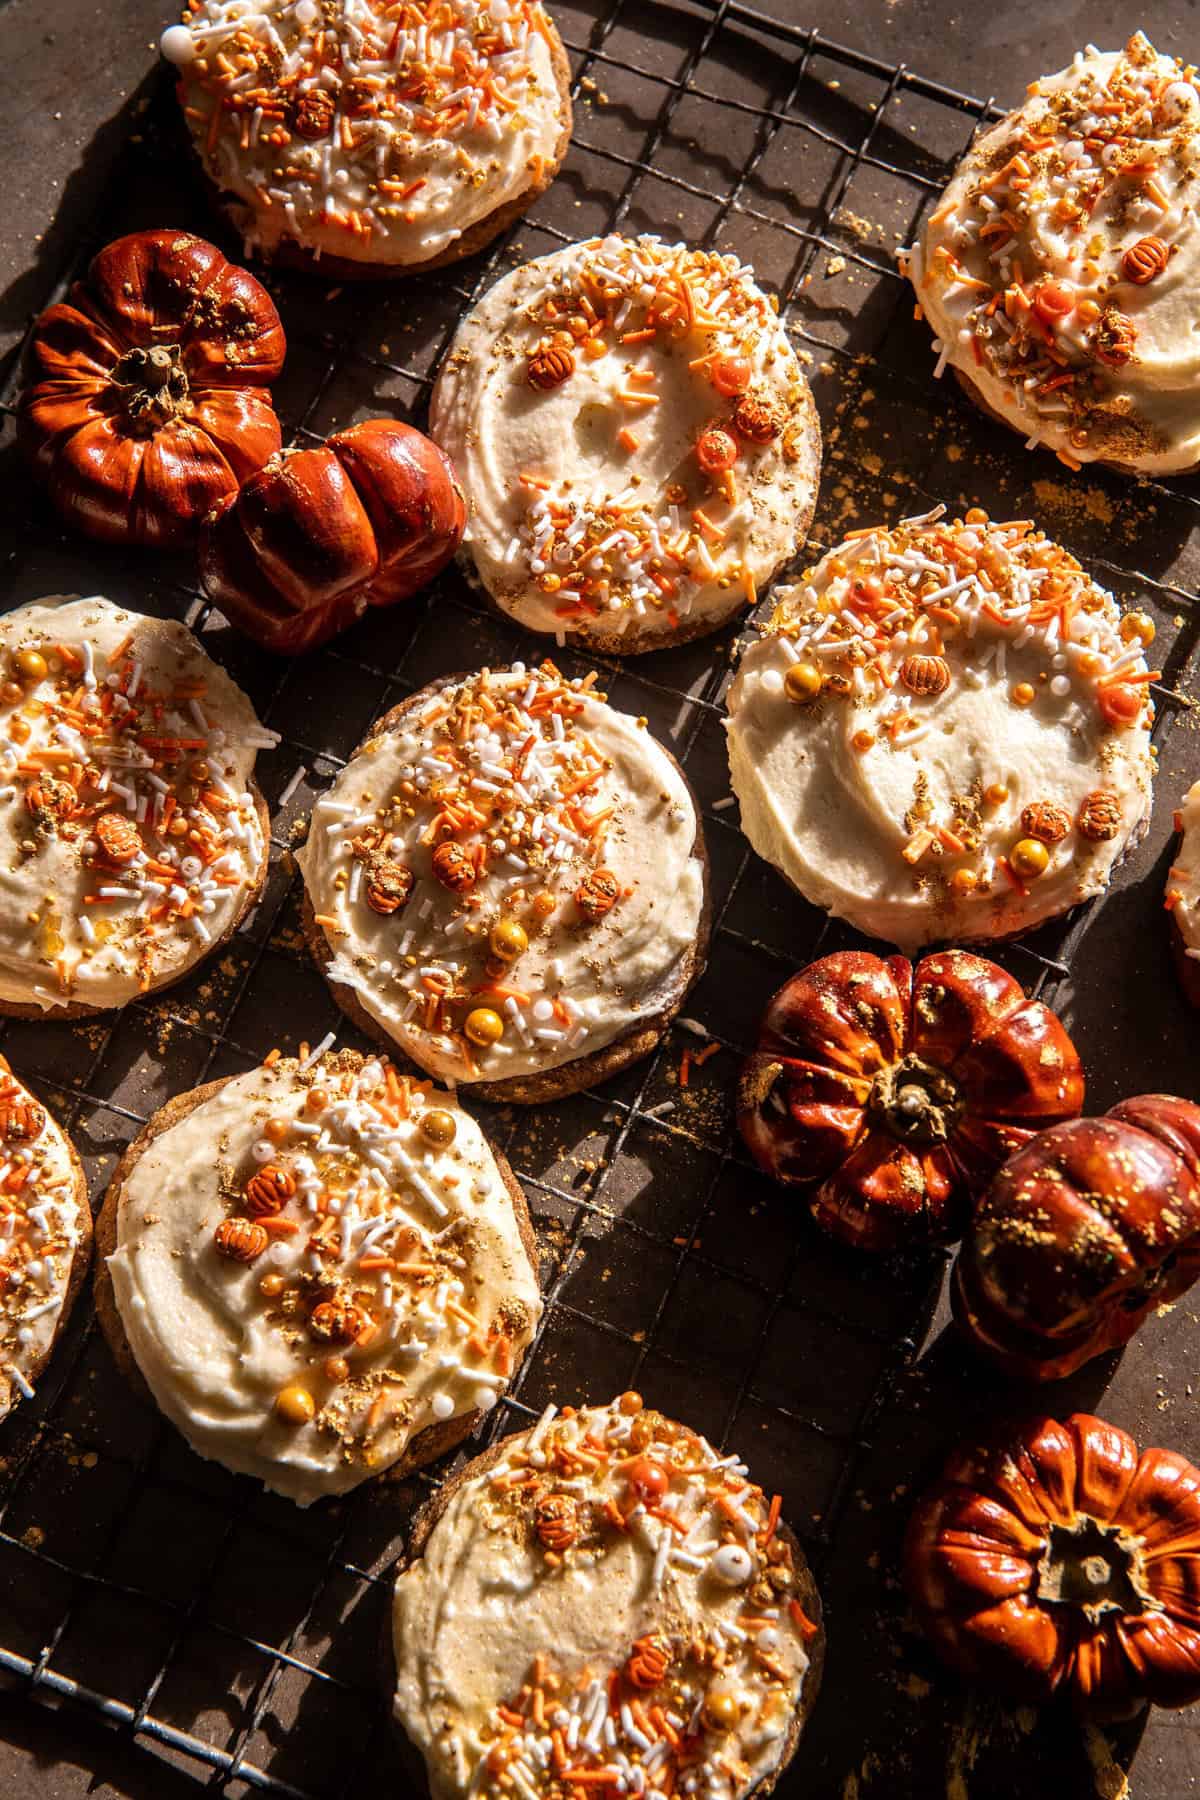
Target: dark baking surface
220, 1630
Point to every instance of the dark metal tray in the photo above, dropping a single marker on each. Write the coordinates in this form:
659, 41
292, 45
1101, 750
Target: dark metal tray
237, 1637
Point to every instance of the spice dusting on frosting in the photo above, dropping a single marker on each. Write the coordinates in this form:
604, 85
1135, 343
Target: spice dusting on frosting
611, 1605
541, 850
375, 132
316, 1265
40, 1232
945, 730
637, 437
1058, 271
128, 832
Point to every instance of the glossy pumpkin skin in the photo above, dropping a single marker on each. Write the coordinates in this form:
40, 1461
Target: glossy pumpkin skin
147, 400
1055, 1558
893, 1092
365, 519
1082, 1233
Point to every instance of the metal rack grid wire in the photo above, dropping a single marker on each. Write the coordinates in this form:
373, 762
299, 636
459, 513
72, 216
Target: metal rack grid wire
210, 1621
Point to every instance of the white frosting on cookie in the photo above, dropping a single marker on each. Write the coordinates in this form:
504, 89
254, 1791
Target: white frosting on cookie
41, 1225
540, 784
1059, 270
375, 133
114, 722
1183, 880
416, 1239
590, 513
944, 733
609, 1595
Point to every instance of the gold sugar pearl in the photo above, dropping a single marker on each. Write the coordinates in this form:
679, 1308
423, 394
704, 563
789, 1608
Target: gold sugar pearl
1137, 627
802, 683
508, 940
964, 881
1029, 858
295, 1405
438, 1127
316, 1100
722, 1710
996, 794
272, 1285
1024, 694
11, 692
336, 1369
1089, 663
32, 665
595, 348
975, 515
630, 1402
484, 1027
862, 740
543, 904
277, 1130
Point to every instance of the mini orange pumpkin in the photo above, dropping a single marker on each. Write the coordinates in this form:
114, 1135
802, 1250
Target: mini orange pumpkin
148, 401
365, 519
892, 1092
1055, 1558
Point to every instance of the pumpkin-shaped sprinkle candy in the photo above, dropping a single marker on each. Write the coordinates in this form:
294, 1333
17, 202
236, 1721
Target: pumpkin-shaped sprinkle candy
454, 868
925, 674
1046, 821
268, 1190
241, 1240
1144, 260
388, 884
118, 837
1100, 816
597, 895
758, 421
549, 367
556, 1521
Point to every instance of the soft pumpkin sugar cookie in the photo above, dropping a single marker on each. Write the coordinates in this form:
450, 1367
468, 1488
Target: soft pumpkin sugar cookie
320, 1271
508, 882
944, 732
133, 837
638, 445
1183, 895
45, 1237
1059, 269
604, 1602
373, 139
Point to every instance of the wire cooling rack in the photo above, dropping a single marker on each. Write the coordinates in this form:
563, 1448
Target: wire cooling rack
237, 1637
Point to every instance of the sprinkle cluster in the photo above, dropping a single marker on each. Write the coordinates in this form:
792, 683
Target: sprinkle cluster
695, 1705
355, 1175
343, 105
894, 620
39, 1230
502, 804
1085, 208
630, 300
129, 775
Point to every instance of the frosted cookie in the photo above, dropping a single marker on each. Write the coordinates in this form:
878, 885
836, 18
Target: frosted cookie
45, 1237
374, 139
1059, 269
944, 732
320, 1271
133, 837
604, 1603
508, 882
637, 442
1183, 895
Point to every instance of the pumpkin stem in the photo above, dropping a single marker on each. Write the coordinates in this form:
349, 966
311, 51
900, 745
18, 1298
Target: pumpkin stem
916, 1102
154, 386
758, 1084
1095, 1567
